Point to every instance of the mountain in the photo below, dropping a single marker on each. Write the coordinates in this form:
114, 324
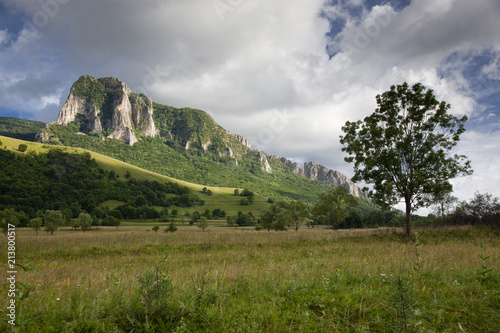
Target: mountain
183, 143
108, 104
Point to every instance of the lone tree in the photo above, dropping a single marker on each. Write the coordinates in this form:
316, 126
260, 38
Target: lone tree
405, 148
332, 207
299, 212
53, 219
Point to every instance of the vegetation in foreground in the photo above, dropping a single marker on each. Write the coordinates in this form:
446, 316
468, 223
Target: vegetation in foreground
313, 280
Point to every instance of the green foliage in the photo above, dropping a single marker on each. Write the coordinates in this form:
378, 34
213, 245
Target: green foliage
74, 182
332, 207
246, 193
84, 221
156, 228
155, 289
22, 147
90, 90
283, 215
53, 219
171, 227
483, 209
36, 224
242, 219
299, 212
8, 217
405, 147
20, 128
203, 224
484, 272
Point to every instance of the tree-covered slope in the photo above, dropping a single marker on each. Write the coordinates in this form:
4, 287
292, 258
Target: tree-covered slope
20, 128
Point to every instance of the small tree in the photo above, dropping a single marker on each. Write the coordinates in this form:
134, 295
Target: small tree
22, 147
277, 217
299, 212
171, 227
405, 148
156, 228
443, 203
36, 224
8, 216
53, 219
236, 192
332, 207
203, 224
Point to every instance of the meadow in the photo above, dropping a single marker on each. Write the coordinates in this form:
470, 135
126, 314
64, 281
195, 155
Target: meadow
131, 279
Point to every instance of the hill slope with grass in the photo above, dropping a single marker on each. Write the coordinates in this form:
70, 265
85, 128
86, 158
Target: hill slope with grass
67, 178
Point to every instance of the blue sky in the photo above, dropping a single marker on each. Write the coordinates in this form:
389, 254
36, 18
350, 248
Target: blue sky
287, 74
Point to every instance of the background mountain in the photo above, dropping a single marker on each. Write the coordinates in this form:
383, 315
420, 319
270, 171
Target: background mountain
105, 116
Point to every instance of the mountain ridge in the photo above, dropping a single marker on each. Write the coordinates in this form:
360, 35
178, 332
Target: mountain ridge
108, 108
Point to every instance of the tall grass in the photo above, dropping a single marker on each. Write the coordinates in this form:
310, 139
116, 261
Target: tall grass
248, 281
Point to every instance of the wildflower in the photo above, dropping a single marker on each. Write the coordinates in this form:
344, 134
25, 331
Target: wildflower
423, 289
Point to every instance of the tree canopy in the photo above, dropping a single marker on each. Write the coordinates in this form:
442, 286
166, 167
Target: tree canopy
405, 148
332, 207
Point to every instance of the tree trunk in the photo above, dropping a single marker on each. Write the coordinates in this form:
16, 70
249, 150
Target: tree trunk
408, 218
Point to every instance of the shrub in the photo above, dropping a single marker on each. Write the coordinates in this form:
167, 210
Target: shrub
22, 147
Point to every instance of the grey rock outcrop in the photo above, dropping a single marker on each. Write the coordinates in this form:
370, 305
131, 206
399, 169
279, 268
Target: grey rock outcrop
76, 108
142, 115
264, 163
128, 111
243, 140
315, 171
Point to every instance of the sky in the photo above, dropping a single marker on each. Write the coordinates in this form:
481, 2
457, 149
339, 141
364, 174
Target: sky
286, 74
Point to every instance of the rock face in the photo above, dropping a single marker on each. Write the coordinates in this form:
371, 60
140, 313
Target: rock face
315, 171
74, 108
264, 163
242, 139
107, 104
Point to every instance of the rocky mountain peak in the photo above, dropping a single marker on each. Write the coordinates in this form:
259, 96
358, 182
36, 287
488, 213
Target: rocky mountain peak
108, 105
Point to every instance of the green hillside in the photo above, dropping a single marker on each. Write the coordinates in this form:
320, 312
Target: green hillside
20, 128
26, 177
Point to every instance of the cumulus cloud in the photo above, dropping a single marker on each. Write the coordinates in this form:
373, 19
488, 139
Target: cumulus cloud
247, 62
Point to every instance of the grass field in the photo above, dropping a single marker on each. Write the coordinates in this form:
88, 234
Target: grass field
242, 280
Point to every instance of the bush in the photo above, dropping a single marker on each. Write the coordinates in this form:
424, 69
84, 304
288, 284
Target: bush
171, 227
22, 147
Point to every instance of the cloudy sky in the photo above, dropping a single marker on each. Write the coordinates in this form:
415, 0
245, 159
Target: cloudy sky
287, 74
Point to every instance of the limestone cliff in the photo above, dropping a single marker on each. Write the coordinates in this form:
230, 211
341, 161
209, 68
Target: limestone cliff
108, 105
315, 171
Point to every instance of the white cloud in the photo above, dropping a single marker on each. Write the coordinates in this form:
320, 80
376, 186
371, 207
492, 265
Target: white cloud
262, 57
